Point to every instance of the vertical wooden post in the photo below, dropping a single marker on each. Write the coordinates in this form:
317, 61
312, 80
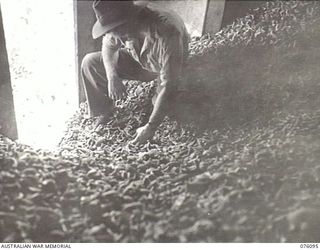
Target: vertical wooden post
8, 125
214, 16
84, 20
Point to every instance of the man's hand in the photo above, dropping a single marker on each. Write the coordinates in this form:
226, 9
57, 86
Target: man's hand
143, 134
116, 88
102, 120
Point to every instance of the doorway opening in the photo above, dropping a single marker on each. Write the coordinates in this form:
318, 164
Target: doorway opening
40, 39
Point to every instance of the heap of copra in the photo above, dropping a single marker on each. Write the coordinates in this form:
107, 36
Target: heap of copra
235, 161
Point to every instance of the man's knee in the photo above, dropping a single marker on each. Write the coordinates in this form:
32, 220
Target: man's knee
90, 61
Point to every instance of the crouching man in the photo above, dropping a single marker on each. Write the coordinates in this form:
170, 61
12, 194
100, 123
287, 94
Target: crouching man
140, 42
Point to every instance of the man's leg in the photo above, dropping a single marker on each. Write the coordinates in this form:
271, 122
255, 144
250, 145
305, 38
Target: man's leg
96, 85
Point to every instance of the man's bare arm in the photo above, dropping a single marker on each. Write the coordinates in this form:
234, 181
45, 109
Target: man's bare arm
110, 54
160, 108
171, 63
159, 111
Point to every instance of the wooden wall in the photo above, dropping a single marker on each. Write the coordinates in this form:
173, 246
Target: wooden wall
192, 12
84, 20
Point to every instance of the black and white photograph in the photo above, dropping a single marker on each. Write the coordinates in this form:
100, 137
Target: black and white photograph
159, 121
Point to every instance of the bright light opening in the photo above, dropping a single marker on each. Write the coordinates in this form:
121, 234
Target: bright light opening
41, 50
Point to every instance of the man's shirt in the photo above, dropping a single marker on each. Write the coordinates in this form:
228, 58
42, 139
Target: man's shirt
165, 47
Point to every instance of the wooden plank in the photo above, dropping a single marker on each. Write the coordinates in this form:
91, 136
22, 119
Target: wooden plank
192, 12
214, 16
84, 20
8, 125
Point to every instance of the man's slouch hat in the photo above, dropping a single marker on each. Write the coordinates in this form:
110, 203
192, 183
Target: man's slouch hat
111, 14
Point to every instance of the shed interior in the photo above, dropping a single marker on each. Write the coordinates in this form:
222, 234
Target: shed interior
236, 160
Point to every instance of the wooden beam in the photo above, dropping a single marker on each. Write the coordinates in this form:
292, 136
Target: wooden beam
214, 16
8, 125
84, 20
192, 12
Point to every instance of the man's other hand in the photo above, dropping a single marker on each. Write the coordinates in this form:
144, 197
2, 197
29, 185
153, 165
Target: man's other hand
116, 88
144, 134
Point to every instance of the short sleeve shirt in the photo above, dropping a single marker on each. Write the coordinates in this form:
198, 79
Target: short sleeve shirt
165, 47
